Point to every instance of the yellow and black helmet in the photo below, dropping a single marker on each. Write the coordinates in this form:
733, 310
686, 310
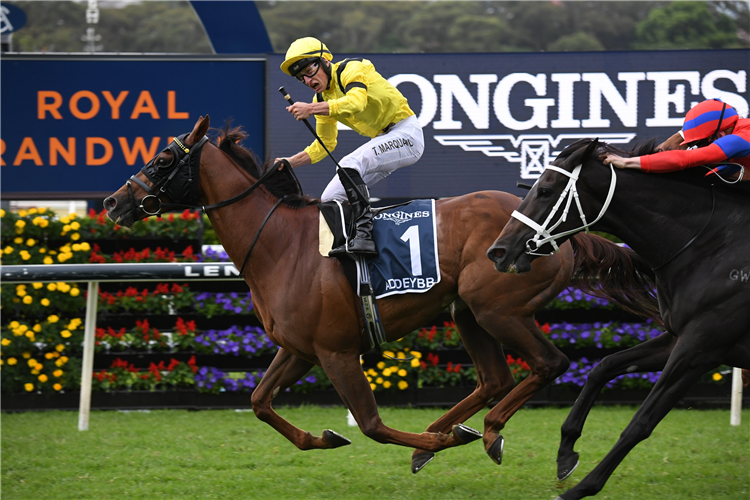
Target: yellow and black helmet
303, 52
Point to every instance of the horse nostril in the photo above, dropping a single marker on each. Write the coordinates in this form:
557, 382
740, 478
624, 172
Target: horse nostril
110, 203
495, 253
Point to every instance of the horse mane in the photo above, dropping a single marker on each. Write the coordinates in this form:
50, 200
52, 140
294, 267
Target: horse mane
629, 281
284, 183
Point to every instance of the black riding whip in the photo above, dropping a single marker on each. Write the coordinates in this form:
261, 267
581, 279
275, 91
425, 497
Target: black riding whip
339, 169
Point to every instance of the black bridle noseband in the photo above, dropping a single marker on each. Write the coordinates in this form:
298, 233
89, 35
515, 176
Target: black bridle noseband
184, 170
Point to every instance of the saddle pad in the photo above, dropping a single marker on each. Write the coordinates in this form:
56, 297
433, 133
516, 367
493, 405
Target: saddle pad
407, 260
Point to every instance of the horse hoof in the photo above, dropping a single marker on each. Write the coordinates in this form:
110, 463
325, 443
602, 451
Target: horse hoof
566, 466
420, 460
496, 450
335, 439
466, 434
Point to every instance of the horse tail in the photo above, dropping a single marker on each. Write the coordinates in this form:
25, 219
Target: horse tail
606, 270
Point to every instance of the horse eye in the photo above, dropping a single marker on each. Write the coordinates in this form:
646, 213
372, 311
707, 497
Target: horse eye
545, 193
163, 162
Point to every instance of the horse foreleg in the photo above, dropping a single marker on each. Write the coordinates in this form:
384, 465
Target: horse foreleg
651, 355
545, 361
682, 370
345, 373
285, 370
494, 379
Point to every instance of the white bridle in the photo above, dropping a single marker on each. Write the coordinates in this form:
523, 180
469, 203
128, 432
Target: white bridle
543, 232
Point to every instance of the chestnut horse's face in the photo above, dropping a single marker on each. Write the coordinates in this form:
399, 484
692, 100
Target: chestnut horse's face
163, 180
524, 237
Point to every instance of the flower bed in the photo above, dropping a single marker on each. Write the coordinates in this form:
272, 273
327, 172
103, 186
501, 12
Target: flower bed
42, 330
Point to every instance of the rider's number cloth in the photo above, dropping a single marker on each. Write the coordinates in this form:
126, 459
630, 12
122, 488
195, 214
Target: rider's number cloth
407, 260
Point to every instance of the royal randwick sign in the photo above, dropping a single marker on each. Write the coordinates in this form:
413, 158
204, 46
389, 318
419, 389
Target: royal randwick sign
493, 119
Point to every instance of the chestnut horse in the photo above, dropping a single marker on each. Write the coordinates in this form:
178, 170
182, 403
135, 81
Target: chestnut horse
311, 312
693, 232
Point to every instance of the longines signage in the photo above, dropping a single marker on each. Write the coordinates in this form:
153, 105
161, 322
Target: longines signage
493, 119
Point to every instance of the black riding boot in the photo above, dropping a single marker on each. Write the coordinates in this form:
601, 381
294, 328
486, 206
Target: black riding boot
360, 239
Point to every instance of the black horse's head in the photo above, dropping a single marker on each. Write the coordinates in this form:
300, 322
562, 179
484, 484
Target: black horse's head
169, 181
550, 214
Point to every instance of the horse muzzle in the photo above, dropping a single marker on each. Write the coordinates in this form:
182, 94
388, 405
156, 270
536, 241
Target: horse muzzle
507, 261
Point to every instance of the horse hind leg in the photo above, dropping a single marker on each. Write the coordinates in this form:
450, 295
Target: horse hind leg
345, 373
651, 355
546, 362
285, 370
494, 378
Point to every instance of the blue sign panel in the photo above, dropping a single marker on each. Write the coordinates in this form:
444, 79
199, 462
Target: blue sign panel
233, 27
82, 126
491, 120
12, 19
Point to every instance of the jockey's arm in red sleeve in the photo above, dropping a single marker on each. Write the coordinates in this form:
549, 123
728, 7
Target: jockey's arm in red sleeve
732, 147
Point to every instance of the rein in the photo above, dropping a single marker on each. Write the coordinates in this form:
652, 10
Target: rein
191, 157
543, 232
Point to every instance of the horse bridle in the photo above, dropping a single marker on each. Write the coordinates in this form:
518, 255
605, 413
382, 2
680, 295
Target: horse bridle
184, 156
543, 232
161, 177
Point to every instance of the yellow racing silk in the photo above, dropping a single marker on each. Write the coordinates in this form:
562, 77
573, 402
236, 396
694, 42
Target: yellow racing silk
360, 98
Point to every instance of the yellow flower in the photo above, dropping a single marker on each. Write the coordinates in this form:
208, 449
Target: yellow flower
25, 255
57, 373
2, 212
28, 300
37, 285
415, 363
388, 354
32, 211
30, 335
372, 386
26, 355
400, 355
43, 378
20, 224
369, 378
12, 361
387, 372
21, 290
53, 319
65, 220
8, 250
85, 246
18, 240
372, 372
65, 334
37, 328
45, 302
30, 242
42, 250
32, 363
379, 380
28, 387
59, 347
403, 384
48, 260
42, 210
75, 292
381, 365
75, 236
387, 384
14, 324
76, 247
57, 387
717, 377
6, 342
402, 373
49, 355
63, 287
75, 226
52, 287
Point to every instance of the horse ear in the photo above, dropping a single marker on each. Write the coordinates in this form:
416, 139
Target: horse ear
199, 130
590, 149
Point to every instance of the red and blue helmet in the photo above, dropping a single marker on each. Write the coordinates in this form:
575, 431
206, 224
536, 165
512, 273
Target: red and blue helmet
708, 118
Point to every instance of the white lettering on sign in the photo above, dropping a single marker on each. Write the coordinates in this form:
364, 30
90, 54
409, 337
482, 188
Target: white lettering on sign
212, 271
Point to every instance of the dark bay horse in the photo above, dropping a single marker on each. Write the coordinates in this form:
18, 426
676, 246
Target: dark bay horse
694, 233
308, 308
